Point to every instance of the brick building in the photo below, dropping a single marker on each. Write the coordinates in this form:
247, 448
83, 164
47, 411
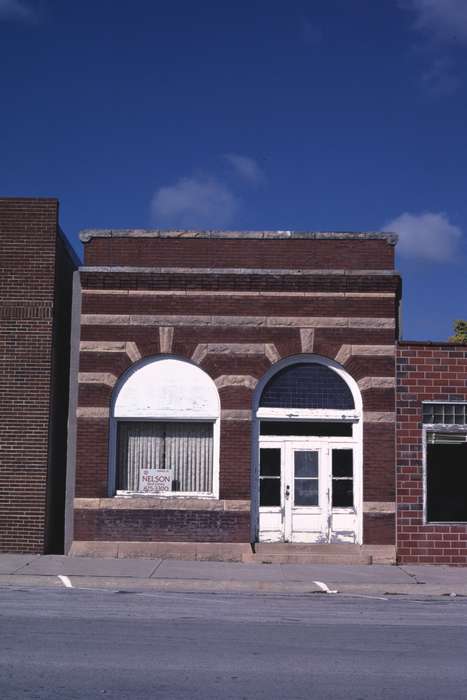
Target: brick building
226, 388
36, 267
432, 453
256, 369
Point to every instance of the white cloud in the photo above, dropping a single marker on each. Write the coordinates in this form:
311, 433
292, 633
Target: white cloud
247, 168
428, 236
194, 202
16, 10
444, 19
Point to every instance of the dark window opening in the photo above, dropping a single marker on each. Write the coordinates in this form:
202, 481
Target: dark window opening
306, 428
446, 476
270, 476
307, 385
342, 478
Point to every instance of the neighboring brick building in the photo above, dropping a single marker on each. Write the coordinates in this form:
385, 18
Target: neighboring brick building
432, 453
36, 268
285, 344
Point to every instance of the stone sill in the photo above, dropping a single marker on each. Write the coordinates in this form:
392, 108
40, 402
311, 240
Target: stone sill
156, 503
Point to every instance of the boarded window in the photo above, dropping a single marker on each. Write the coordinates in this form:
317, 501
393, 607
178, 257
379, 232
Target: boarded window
446, 477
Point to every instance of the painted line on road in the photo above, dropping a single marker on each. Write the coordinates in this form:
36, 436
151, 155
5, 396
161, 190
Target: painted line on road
65, 580
323, 587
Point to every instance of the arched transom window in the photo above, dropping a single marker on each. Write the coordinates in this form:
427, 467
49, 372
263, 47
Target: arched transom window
307, 386
165, 428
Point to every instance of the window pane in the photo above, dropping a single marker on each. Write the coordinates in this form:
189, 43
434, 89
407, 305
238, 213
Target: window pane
270, 461
342, 463
306, 463
183, 448
269, 492
306, 428
447, 483
342, 493
307, 385
306, 492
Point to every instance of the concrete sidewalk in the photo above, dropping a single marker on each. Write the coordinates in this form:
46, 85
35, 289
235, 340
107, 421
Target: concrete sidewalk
197, 576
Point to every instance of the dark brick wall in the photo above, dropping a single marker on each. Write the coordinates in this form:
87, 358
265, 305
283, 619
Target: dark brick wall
425, 372
35, 283
281, 297
238, 253
162, 525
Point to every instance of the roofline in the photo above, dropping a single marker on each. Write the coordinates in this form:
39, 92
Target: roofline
87, 234
431, 343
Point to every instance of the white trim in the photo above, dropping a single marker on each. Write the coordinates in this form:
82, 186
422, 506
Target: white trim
164, 415
355, 416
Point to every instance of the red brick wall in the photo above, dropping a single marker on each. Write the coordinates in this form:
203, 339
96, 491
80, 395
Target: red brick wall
32, 262
425, 372
238, 253
111, 301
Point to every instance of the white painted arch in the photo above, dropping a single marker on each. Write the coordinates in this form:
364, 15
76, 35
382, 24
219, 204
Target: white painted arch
166, 388
348, 415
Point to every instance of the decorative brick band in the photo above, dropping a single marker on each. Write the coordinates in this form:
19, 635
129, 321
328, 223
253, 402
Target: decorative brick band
379, 507
130, 348
376, 383
232, 293
348, 351
92, 412
236, 414
241, 321
157, 503
106, 378
379, 417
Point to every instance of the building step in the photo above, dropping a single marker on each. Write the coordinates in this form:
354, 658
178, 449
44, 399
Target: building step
303, 558
295, 553
297, 547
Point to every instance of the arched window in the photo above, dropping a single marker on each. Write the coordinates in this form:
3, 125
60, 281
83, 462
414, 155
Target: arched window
165, 429
307, 385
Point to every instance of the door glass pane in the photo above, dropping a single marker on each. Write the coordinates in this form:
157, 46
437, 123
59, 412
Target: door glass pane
269, 492
306, 463
270, 461
342, 493
342, 463
306, 492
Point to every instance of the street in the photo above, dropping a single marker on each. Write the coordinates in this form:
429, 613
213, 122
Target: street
74, 643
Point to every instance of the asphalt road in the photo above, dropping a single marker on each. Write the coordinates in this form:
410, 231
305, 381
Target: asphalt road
73, 643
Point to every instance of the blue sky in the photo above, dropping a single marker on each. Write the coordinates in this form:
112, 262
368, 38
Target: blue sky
306, 115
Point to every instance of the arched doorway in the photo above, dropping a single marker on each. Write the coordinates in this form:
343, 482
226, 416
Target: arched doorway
307, 475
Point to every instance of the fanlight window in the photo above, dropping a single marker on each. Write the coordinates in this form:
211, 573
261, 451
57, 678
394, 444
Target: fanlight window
166, 415
307, 385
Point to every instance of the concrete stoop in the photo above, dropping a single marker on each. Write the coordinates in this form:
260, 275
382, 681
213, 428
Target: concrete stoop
261, 553
291, 553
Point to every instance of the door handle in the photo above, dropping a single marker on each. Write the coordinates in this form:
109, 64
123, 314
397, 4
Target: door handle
287, 491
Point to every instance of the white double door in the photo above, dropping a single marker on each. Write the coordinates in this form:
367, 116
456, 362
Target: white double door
307, 491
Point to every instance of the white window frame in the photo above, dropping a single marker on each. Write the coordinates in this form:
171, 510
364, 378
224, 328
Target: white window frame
437, 428
212, 416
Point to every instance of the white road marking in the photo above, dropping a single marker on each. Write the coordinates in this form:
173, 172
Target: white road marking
65, 580
323, 587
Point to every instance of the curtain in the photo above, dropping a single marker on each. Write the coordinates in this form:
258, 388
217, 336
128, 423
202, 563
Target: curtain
186, 448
